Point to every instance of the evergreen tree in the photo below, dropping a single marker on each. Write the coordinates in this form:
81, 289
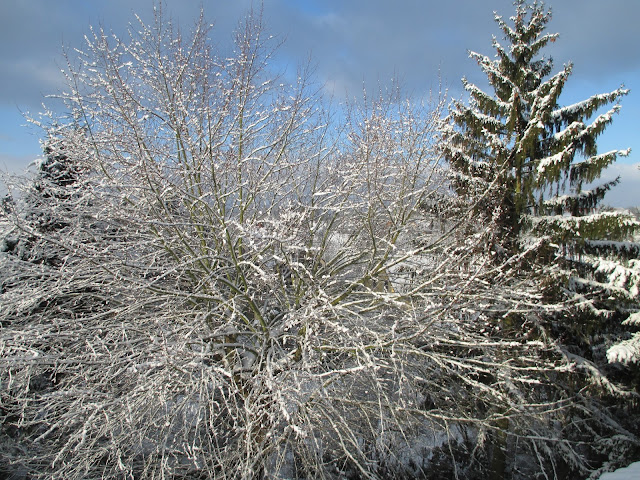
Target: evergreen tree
526, 158
48, 205
534, 154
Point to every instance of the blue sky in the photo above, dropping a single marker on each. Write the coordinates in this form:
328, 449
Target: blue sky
351, 42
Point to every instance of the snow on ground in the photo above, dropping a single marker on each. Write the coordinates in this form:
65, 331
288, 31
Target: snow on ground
632, 472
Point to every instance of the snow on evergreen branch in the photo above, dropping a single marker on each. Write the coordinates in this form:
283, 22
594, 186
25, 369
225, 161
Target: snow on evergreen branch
585, 108
613, 224
627, 351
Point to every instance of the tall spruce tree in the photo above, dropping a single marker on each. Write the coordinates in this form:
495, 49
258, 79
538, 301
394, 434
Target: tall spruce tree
535, 153
523, 159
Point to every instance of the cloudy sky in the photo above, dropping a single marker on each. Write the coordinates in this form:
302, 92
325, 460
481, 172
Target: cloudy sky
351, 42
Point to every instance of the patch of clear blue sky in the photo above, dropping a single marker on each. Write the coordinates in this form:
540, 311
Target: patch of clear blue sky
311, 7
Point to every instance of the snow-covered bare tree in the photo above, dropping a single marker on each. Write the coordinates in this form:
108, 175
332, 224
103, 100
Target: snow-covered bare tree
246, 290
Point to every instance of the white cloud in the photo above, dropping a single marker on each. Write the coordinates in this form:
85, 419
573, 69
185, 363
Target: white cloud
627, 192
